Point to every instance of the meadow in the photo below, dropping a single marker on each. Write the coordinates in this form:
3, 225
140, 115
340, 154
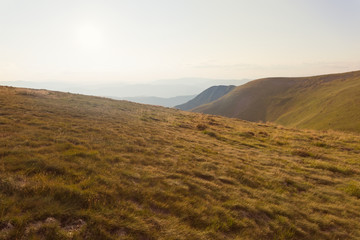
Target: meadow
83, 167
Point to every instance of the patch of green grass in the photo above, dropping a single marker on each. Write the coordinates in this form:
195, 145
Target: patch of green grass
353, 189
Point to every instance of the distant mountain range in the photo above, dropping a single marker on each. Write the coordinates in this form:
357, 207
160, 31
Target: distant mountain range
319, 102
167, 88
165, 102
207, 96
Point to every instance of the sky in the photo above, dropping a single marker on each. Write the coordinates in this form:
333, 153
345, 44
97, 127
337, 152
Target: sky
146, 40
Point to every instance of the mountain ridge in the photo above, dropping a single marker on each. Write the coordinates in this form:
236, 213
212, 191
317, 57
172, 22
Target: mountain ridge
305, 102
159, 101
208, 95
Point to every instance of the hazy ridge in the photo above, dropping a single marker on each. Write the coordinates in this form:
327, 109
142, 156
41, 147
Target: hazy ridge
206, 96
165, 102
319, 102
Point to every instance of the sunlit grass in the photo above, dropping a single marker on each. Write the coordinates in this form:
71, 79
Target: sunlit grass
80, 167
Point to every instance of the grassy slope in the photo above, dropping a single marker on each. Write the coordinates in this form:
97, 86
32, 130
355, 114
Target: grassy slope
131, 171
321, 102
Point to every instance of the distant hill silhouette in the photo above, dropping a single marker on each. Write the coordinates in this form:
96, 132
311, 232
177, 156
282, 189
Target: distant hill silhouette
319, 102
211, 94
165, 102
166, 88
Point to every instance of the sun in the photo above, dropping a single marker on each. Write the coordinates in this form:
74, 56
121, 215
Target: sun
89, 36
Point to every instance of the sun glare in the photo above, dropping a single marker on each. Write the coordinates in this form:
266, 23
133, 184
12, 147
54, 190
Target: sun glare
89, 37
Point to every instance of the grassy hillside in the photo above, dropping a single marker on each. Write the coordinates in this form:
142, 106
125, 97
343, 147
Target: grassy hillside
320, 102
206, 96
81, 167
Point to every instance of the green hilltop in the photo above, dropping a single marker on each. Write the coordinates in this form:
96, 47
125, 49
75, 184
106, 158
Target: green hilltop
319, 102
82, 167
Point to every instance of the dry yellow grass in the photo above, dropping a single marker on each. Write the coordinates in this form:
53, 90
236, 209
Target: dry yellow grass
81, 167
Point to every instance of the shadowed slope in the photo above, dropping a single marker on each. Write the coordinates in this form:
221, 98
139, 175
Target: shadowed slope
207, 96
81, 167
320, 102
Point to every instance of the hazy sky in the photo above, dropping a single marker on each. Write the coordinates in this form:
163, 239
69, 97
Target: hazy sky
143, 40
